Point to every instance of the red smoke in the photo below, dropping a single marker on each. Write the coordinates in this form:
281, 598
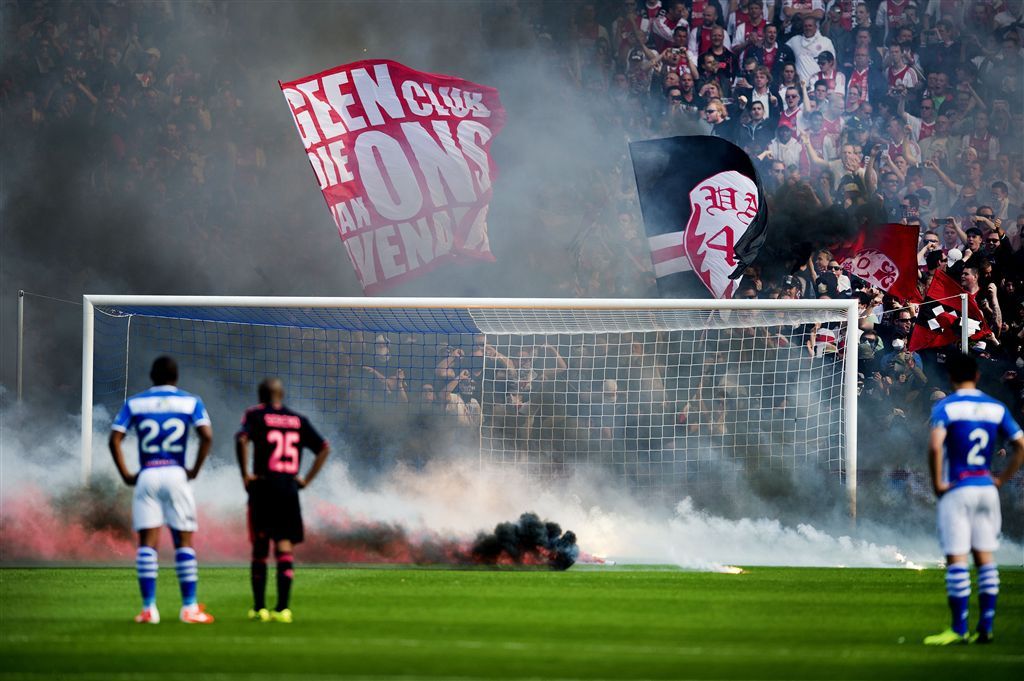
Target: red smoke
32, 528
94, 526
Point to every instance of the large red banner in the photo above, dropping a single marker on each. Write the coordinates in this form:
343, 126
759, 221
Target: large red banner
403, 160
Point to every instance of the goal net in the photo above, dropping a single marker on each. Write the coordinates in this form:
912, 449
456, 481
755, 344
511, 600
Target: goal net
665, 396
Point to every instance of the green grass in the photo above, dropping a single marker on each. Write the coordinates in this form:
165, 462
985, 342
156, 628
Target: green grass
772, 623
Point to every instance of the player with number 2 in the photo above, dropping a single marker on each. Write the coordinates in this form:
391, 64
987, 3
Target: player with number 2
965, 429
161, 417
278, 435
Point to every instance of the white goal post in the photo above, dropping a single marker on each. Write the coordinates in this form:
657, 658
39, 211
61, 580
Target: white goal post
664, 394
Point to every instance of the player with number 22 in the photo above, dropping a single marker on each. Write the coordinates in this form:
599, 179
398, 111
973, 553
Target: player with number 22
161, 417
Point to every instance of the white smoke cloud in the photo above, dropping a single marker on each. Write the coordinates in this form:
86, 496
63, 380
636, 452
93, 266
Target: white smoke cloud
456, 498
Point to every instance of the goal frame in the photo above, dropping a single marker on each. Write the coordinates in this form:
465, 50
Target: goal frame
90, 302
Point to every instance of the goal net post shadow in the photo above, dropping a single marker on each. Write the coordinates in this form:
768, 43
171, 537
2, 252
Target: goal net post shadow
665, 396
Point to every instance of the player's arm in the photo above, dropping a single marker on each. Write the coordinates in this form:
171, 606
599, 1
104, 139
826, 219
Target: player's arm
205, 433
318, 463
242, 455
116, 438
935, 442
1015, 462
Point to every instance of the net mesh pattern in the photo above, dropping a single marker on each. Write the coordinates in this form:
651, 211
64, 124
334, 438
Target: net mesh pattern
665, 401
664, 411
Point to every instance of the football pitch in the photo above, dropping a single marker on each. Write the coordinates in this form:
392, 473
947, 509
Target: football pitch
587, 623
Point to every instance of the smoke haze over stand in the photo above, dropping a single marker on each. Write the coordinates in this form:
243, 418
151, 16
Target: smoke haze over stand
61, 242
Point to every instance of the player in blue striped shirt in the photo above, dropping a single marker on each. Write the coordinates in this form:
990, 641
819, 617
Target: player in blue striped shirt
965, 429
161, 417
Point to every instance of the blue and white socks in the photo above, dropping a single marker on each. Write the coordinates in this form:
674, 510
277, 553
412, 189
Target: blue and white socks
988, 590
146, 569
188, 574
958, 591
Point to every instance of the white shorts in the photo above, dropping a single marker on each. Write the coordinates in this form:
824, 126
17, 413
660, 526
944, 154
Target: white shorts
163, 496
969, 518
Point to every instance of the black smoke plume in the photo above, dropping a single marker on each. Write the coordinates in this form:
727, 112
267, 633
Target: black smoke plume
527, 541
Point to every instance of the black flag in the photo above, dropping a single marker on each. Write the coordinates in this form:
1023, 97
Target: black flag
703, 208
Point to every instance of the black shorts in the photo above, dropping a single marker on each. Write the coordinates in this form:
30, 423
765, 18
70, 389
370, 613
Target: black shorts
274, 511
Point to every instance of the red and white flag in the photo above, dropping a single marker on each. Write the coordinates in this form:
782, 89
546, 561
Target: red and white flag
938, 318
403, 161
885, 257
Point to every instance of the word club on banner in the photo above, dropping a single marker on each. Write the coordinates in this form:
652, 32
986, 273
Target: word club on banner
403, 161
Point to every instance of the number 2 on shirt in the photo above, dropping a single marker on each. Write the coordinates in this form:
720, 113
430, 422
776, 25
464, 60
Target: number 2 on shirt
285, 458
979, 436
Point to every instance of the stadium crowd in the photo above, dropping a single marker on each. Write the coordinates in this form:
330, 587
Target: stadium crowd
880, 111
113, 83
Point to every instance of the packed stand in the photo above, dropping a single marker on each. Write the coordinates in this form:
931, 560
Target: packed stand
855, 114
114, 84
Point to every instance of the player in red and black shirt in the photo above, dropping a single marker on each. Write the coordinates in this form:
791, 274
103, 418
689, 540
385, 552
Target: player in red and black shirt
278, 435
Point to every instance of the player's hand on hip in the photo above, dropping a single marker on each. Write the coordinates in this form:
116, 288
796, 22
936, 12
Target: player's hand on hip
941, 488
192, 473
301, 482
247, 480
131, 479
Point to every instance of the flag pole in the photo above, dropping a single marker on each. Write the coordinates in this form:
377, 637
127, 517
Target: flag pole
964, 333
21, 341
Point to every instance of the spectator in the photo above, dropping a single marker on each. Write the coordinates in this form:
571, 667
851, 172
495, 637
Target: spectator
869, 81
761, 92
891, 202
835, 81
746, 28
793, 112
716, 119
662, 26
785, 147
901, 75
981, 140
758, 133
806, 48
771, 54
702, 36
725, 58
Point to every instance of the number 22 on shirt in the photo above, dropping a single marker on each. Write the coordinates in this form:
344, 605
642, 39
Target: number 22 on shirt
159, 437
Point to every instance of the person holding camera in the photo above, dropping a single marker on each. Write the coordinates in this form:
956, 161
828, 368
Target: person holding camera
942, 51
930, 243
724, 57
675, 14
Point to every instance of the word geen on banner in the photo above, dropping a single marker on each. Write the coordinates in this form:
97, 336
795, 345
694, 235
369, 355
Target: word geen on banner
403, 161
